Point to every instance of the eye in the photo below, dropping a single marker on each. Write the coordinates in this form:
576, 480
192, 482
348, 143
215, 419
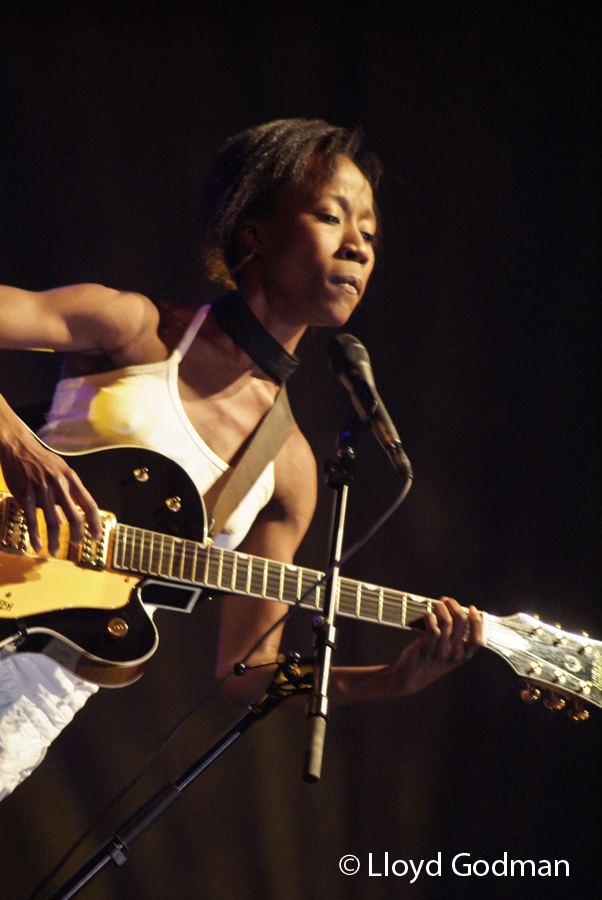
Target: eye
369, 238
327, 217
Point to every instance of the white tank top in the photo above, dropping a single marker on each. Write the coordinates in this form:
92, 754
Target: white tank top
141, 406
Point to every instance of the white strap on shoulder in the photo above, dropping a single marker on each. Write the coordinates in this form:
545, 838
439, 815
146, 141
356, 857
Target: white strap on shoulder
191, 332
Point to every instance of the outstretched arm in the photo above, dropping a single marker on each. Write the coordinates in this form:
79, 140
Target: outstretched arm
85, 318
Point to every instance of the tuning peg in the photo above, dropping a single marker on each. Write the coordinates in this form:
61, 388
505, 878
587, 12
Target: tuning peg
553, 702
530, 694
577, 713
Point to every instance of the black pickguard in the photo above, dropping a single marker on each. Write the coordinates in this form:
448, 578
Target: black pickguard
109, 475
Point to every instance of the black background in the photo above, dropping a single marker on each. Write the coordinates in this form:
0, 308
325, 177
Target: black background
482, 324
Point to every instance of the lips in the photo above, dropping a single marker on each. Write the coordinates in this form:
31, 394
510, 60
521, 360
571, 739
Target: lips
351, 280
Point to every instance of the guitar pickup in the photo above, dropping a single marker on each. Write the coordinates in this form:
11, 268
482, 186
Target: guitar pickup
14, 536
93, 554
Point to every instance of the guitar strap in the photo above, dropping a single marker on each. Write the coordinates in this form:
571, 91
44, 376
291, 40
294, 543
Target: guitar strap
270, 435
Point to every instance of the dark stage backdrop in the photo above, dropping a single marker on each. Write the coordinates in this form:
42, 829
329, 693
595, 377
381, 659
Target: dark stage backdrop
482, 326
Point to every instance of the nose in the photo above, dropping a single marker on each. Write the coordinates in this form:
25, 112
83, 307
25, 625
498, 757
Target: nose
354, 246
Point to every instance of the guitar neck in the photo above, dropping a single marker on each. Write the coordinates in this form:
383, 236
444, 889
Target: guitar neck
213, 568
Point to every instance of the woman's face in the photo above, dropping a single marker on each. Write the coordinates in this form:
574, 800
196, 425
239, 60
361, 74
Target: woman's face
315, 247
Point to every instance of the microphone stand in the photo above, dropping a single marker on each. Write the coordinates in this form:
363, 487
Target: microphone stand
292, 676
339, 469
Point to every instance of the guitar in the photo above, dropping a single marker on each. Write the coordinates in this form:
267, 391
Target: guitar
85, 610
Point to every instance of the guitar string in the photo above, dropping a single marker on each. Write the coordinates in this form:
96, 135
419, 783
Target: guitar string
213, 693
141, 543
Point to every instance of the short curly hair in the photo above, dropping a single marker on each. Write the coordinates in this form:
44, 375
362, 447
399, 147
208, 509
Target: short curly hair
253, 166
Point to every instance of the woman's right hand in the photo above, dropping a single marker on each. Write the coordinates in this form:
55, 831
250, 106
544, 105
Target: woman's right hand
37, 477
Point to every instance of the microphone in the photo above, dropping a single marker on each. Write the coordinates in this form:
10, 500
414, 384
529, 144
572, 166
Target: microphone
349, 360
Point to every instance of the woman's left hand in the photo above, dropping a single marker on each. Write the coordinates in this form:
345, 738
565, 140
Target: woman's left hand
452, 636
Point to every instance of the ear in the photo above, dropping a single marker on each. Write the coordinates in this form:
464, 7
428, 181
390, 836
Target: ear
251, 236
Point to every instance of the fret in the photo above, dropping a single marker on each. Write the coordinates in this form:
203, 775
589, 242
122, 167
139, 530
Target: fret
118, 549
168, 554
137, 538
206, 569
146, 544
138, 543
234, 571
369, 597
257, 579
249, 574
127, 547
220, 568
152, 553
179, 552
132, 548
195, 562
418, 606
347, 597
188, 564
167, 560
181, 545
227, 567
265, 577
242, 574
156, 555
318, 597
175, 556
290, 583
273, 582
306, 580
392, 614
164, 557
214, 567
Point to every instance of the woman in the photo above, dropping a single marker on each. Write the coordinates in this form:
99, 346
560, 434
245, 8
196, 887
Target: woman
289, 219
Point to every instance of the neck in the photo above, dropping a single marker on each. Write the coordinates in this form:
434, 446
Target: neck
287, 334
238, 321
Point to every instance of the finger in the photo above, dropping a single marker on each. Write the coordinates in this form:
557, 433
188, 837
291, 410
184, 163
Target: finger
475, 638
28, 505
52, 521
459, 619
445, 623
91, 512
431, 636
75, 495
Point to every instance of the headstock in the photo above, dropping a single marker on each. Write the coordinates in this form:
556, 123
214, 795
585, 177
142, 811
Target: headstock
568, 665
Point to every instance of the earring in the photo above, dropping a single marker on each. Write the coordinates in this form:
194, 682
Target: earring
244, 261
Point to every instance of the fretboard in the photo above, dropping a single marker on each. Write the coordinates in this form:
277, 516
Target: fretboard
229, 571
